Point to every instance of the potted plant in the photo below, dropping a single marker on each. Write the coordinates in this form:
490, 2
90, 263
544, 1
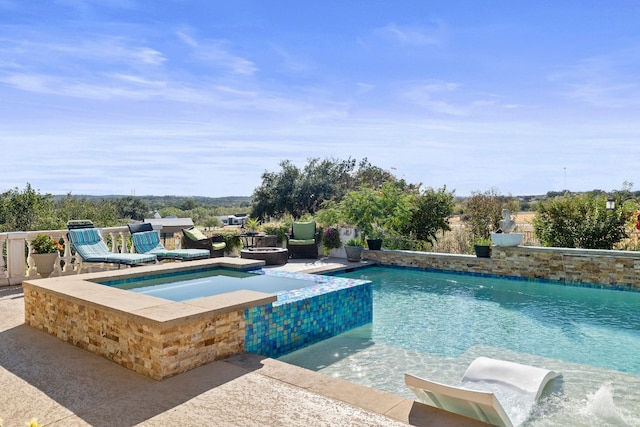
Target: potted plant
45, 251
331, 238
353, 247
277, 229
375, 235
252, 224
233, 244
482, 247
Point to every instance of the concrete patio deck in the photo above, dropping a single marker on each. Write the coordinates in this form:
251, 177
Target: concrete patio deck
62, 385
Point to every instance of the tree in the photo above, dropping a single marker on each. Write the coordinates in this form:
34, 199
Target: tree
581, 221
431, 215
390, 206
403, 211
367, 206
26, 210
483, 212
276, 194
132, 208
301, 192
102, 213
188, 204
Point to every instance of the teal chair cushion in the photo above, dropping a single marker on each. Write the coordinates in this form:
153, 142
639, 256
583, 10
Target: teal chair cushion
89, 245
146, 241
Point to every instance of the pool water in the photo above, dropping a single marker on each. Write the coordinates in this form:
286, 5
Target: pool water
435, 324
203, 283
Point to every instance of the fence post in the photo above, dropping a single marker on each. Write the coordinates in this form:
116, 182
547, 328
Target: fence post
16, 260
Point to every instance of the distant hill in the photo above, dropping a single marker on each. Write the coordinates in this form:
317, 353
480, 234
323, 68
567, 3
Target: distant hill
155, 201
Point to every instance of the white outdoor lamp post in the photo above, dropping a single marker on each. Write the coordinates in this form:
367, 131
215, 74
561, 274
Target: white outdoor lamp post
611, 204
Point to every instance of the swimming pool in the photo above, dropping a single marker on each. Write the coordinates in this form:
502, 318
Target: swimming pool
188, 285
434, 324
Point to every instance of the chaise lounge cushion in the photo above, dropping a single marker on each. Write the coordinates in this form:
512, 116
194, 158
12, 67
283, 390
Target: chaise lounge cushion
148, 242
89, 245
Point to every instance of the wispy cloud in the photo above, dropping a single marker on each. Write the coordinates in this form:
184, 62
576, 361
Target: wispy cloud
217, 53
97, 68
606, 81
414, 35
90, 8
108, 67
59, 52
289, 61
432, 96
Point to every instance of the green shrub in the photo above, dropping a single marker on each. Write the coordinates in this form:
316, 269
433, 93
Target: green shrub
581, 221
278, 229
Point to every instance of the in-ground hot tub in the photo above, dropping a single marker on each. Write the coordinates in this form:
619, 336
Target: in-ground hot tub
160, 338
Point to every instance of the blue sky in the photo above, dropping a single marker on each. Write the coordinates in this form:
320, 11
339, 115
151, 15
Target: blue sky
179, 97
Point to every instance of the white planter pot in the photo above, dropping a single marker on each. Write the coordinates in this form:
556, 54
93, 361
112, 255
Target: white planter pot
506, 239
45, 263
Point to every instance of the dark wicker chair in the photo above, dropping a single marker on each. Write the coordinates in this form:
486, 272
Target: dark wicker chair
194, 239
303, 240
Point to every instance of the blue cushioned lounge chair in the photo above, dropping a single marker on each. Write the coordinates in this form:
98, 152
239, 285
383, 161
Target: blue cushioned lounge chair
147, 241
88, 244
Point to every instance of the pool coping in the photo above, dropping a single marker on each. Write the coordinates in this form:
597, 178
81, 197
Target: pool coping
149, 309
392, 406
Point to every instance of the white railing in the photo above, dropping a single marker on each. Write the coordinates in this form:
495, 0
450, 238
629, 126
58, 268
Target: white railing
20, 266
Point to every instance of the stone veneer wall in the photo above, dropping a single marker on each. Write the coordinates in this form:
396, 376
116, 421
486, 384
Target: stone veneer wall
148, 347
275, 329
600, 268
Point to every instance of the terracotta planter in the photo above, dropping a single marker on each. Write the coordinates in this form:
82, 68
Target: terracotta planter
45, 263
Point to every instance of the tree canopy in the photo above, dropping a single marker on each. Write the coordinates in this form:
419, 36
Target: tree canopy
28, 209
298, 192
25, 210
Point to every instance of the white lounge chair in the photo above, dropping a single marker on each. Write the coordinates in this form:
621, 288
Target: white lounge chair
484, 381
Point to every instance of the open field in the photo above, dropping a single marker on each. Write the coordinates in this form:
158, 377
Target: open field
457, 241
521, 218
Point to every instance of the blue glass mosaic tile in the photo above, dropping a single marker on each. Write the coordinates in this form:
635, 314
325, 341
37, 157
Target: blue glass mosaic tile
328, 307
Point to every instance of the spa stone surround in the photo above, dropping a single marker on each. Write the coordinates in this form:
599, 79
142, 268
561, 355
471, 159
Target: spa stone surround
161, 338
